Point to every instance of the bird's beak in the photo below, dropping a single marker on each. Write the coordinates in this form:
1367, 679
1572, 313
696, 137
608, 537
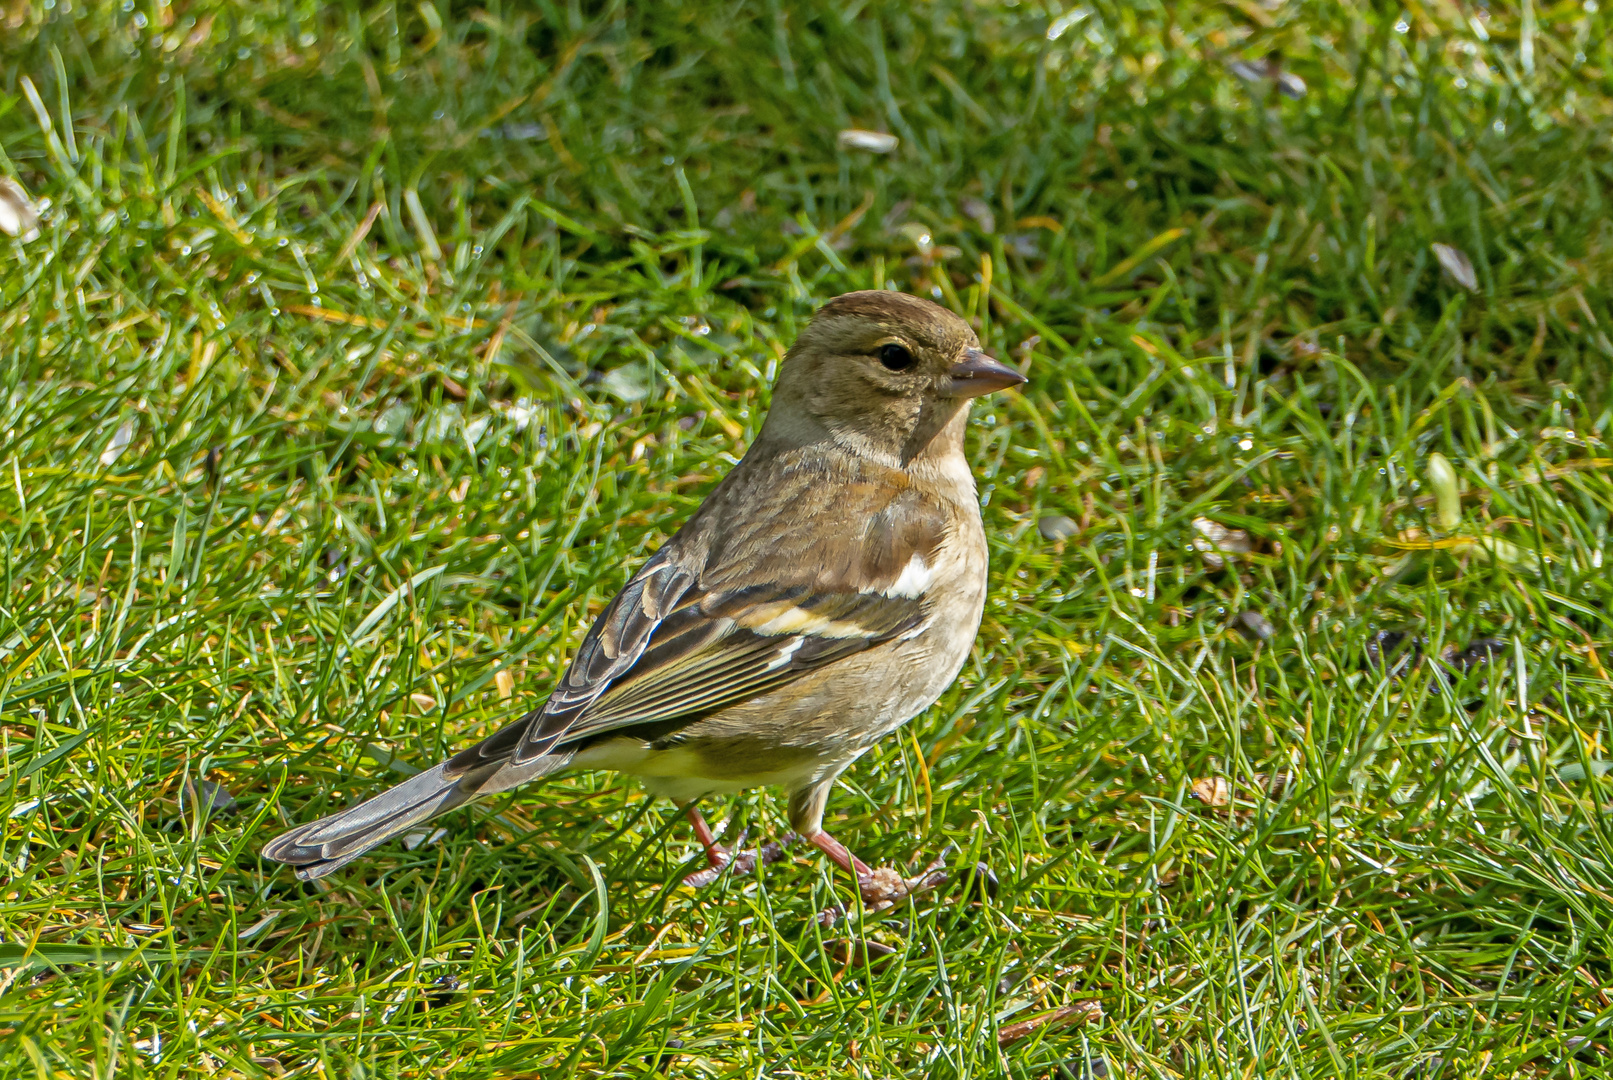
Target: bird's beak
979, 374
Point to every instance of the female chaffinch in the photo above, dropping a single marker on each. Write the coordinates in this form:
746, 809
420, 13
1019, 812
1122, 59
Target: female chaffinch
827, 590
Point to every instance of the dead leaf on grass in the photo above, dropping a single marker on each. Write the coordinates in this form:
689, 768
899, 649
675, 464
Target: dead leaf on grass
874, 142
1082, 1012
1456, 263
18, 215
1212, 791
1217, 542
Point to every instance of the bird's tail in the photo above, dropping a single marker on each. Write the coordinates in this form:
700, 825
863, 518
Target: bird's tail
332, 842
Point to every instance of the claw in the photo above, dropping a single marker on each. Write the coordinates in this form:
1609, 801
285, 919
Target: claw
721, 859
701, 878
884, 888
725, 860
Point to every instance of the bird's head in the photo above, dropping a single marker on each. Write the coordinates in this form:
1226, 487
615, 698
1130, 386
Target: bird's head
883, 374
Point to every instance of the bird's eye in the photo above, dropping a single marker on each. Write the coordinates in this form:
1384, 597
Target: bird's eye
895, 358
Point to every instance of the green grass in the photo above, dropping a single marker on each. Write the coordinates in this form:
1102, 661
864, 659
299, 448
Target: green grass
365, 351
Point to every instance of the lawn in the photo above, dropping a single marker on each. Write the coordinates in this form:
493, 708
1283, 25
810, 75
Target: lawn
364, 350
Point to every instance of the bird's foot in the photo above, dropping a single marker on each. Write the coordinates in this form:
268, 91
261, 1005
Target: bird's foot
883, 887
738, 862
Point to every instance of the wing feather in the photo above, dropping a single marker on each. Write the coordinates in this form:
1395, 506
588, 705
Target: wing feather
737, 605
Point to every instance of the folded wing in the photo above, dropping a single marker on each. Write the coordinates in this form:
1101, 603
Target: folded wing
676, 646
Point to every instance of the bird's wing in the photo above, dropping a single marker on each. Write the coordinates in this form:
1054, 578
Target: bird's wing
734, 646
778, 596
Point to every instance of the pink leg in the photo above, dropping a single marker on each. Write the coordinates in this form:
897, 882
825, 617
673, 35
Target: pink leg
714, 851
842, 858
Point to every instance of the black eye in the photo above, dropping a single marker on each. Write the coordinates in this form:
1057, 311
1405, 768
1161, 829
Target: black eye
895, 358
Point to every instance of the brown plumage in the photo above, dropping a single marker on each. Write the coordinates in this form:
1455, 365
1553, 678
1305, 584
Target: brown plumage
826, 591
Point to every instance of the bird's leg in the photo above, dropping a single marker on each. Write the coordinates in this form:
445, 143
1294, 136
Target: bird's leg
720, 858
881, 887
717, 856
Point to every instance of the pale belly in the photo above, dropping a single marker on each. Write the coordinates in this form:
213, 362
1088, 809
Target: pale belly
687, 772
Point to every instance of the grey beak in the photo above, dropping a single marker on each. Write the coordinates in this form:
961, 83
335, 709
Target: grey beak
979, 374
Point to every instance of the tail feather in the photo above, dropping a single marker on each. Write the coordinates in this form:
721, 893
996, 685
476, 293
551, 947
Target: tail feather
322, 846
319, 847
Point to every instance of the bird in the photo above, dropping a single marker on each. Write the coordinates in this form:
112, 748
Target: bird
827, 590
